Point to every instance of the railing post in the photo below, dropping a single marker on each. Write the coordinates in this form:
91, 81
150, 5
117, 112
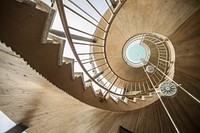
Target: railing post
109, 7
111, 86
95, 76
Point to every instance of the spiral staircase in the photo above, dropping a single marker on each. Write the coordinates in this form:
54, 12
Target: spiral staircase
110, 83
116, 92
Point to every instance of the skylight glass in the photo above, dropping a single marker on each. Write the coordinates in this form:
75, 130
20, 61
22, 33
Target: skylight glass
135, 52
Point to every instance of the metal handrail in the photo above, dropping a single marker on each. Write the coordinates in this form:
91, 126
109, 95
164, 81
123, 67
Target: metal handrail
68, 36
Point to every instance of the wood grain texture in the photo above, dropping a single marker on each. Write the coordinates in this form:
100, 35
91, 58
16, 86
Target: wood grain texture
44, 57
186, 42
27, 96
141, 16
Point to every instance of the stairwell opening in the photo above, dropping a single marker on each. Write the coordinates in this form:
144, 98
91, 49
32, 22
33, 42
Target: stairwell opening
135, 51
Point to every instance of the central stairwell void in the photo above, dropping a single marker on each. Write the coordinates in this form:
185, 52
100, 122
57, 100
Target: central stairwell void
134, 52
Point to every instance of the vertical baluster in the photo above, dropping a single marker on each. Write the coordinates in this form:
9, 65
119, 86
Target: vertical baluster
84, 18
97, 11
83, 10
109, 6
144, 87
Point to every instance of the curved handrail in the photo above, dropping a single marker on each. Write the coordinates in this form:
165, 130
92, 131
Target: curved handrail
68, 36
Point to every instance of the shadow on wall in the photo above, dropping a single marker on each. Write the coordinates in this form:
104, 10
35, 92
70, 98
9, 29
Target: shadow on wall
192, 3
123, 130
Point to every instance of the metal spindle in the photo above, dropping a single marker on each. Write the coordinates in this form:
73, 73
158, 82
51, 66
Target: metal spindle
83, 60
131, 88
135, 87
162, 53
84, 18
97, 67
148, 85
90, 53
126, 88
109, 6
139, 87
160, 65
85, 33
93, 60
109, 79
117, 86
105, 69
83, 10
111, 85
164, 60
157, 72
154, 80
160, 42
97, 11
121, 92
95, 76
93, 45
105, 75
156, 77
144, 87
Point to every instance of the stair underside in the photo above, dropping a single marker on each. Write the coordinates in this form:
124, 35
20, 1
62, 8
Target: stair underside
44, 57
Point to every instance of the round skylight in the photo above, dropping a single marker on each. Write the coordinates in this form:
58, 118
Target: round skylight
135, 52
